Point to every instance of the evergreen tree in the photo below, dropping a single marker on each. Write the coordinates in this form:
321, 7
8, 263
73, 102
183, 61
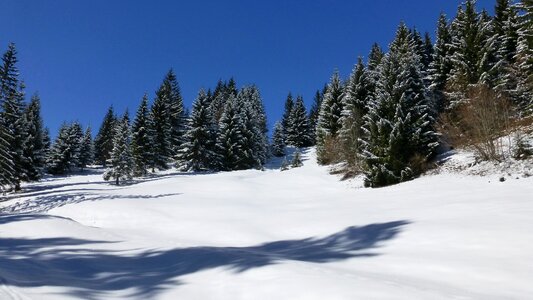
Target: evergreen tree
170, 93
103, 143
64, 154
314, 113
298, 131
473, 52
286, 118
121, 159
33, 145
141, 145
12, 102
297, 160
162, 132
230, 138
278, 141
198, 151
356, 96
441, 65
330, 113
398, 126
86, 155
524, 56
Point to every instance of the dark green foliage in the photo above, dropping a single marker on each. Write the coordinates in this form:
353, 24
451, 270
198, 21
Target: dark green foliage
441, 65
121, 168
278, 141
103, 143
86, 155
297, 160
398, 126
358, 92
65, 152
329, 119
198, 150
34, 148
141, 145
298, 125
11, 119
286, 118
169, 92
314, 112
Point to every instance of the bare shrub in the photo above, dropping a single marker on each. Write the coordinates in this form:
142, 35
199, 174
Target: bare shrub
332, 151
479, 122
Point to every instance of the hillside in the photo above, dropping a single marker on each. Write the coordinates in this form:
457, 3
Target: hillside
298, 234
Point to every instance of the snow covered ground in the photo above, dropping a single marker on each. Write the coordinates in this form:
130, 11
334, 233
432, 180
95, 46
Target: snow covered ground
298, 234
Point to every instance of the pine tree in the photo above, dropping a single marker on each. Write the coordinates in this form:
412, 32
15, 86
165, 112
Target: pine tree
121, 159
472, 51
298, 131
278, 141
103, 143
524, 57
230, 138
75, 140
441, 65
58, 160
328, 121
286, 118
169, 92
198, 151
398, 126
33, 145
64, 154
357, 93
12, 102
141, 145
297, 160
86, 155
162, 132
314, 113
258, 120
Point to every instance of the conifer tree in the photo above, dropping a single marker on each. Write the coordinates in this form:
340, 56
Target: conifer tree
286, 118
328, 121
103, 143
469, 45
141, 145
33, 144
278, 141
524, 56
230, 138
441, 65
12, 103
297, 160
170, 93
198, 150
398, 126
86, 155
298, 130
64, 154
121, 168
162, 132
314, 113
356, 96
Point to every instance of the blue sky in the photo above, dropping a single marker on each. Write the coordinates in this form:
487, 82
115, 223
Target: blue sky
82, 56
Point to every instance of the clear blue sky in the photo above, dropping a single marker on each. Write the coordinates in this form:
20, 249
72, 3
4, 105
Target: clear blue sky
82, 56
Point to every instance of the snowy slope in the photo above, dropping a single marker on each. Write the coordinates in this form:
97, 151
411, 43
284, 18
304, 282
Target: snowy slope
298, 234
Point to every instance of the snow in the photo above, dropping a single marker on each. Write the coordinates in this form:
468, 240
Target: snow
297, 234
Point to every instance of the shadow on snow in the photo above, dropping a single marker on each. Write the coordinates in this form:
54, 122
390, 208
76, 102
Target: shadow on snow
90, 273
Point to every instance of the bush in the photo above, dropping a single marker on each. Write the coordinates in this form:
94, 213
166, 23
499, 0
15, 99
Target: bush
479, 122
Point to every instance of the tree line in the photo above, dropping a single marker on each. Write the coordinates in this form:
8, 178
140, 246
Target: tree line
389, 117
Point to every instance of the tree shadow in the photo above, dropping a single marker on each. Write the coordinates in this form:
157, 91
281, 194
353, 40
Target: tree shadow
91, 274
44, 203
